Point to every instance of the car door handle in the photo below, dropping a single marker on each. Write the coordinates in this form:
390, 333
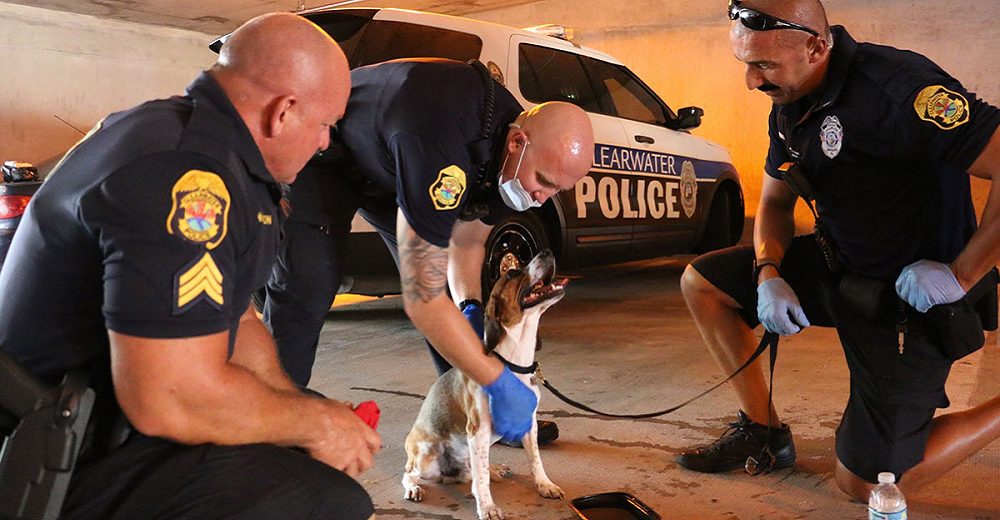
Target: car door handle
644, 139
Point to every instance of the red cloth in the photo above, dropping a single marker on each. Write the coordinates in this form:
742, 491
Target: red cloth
369, 413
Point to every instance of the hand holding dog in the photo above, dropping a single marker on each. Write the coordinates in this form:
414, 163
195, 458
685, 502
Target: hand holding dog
775, 301
926, 283
511, 405
347, 444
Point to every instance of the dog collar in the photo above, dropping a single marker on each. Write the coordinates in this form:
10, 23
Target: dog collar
518, 369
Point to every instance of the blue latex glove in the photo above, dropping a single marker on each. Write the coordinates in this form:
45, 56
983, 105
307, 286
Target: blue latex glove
511, 405
779, 309
473, 312
926, 283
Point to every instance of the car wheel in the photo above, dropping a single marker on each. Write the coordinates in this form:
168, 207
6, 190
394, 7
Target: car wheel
719, 225
511, 245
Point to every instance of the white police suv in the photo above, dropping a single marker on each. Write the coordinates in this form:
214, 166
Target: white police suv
653, 190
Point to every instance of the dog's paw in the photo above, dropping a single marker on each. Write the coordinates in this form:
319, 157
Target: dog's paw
491, 512
414, 493
500, 471
549, 490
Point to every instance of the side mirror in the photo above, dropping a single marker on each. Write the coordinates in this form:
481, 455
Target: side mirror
689, 117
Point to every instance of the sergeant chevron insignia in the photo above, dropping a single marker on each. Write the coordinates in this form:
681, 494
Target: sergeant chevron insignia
201, 280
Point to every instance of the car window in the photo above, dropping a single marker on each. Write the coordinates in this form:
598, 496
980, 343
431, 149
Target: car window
386, 40
630, 98
345, 27
548, 74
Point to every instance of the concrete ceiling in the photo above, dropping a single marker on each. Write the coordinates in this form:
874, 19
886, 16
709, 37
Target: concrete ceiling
221, 16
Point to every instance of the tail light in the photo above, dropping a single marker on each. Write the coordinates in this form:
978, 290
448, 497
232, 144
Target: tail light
12, 206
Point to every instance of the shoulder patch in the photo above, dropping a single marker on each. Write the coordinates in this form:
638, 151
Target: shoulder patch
197, 281
447, 190
945, 108
199, 209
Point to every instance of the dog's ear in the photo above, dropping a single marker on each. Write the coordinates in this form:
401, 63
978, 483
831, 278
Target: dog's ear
492, 323
493, 334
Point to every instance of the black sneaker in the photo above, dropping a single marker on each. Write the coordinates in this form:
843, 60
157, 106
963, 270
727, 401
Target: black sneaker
548, 431
742, 440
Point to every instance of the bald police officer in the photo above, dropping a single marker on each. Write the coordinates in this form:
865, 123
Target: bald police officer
432, 169
143, 246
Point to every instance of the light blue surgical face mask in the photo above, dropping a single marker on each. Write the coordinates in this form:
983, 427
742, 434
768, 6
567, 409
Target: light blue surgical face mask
513, 194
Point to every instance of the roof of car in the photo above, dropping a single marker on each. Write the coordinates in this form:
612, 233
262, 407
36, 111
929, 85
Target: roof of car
480, 28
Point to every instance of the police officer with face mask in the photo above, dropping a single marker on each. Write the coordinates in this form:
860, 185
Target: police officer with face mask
432, 153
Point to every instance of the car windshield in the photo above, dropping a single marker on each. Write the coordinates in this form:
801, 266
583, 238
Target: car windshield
366, 41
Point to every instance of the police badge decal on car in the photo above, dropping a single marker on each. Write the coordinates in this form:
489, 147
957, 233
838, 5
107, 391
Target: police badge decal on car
689, 189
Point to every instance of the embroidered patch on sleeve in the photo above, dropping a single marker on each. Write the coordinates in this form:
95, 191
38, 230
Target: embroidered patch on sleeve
201, 280
199, 210
945, 108
447, 190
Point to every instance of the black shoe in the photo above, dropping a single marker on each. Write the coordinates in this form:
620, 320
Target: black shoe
548, 431
742, 440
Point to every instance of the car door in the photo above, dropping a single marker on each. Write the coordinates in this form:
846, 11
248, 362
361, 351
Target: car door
592, 213
661, 167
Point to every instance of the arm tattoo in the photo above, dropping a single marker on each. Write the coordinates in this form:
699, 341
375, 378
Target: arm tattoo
423, 269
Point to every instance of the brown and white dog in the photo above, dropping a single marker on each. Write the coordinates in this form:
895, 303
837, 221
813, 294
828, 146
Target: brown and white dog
451, 437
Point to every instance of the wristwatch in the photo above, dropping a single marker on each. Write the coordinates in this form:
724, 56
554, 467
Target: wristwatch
758, 265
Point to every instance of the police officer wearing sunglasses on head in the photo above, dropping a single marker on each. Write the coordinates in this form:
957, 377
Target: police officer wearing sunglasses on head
881, 143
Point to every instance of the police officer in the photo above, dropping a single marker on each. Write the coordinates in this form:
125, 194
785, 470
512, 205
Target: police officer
881, 142
434, 153
142, 248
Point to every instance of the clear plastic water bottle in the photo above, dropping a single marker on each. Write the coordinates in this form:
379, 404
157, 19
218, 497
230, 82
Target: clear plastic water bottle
886, 501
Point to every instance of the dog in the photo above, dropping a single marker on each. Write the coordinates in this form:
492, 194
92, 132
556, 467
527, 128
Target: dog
451, 438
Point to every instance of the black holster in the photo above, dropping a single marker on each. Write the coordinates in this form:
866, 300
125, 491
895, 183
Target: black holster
869, 297
958, 326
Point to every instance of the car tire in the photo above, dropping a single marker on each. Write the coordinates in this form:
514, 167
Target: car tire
512, 244
719, 224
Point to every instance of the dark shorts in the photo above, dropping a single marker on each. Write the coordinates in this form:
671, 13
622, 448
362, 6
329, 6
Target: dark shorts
153, 478
893, 396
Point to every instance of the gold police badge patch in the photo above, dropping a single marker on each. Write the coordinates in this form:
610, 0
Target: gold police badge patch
943, 107
200, 208
447, 190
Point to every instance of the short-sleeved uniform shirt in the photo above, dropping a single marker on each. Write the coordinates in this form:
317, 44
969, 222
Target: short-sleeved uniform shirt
158, 224
411, 125
886, 145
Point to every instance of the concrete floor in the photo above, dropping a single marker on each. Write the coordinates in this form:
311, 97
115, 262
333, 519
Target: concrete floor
622, 340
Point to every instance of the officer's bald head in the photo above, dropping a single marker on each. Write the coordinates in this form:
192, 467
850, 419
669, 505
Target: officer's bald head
563, 131
288, 79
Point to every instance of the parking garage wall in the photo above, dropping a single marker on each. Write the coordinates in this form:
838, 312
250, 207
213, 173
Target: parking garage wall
56, 65
681, 48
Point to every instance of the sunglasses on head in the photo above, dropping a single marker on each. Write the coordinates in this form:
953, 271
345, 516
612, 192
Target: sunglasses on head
758, 21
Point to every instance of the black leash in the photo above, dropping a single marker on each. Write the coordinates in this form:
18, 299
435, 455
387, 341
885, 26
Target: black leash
769, 339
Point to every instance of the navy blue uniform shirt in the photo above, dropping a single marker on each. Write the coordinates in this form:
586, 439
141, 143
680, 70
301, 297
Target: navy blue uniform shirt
158, 224
410, 124
886, 144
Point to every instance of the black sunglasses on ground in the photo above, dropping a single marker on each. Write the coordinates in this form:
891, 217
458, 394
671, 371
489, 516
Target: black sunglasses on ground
758, 21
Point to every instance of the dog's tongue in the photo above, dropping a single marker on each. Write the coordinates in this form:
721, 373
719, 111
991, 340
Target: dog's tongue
541, 291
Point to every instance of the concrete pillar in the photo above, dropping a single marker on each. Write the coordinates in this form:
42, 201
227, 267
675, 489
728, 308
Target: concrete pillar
80, 68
